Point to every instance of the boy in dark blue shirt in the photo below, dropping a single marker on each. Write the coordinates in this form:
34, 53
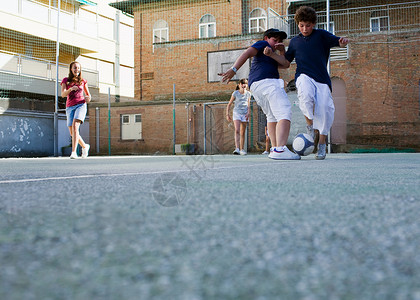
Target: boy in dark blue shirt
311, 50
268, 89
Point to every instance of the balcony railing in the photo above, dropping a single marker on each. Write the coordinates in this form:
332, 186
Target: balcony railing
399, 17
38, 68
40, 12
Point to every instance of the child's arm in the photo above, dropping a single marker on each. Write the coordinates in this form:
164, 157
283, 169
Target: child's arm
228, 108
249, 107
86, 90
279, 58
65, 92
248, 53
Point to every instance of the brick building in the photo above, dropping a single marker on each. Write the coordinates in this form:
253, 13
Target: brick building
186, 43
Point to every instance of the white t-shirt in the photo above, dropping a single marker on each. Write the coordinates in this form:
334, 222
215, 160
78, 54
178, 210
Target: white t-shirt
241, 101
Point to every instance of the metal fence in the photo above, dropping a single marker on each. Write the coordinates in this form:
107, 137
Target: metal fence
359, 20
40, 68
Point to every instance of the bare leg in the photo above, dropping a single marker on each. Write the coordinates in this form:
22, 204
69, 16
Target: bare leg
309, 121
76, 135
237, 125
267, 140
282, 132
271, 128
242, 137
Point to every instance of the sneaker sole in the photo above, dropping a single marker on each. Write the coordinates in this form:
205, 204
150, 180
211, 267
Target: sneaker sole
281, 158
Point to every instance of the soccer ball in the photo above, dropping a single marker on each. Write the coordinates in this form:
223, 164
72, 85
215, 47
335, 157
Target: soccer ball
303, 144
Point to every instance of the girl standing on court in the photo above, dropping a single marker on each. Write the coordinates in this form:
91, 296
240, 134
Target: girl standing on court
75, 88
241, 96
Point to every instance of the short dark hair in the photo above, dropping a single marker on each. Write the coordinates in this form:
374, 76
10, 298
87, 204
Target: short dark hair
273, 32
305, 14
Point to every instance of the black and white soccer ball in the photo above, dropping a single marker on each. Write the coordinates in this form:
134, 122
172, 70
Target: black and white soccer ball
303, 144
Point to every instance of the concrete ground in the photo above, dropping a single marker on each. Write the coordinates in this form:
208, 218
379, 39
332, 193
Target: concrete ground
210, 227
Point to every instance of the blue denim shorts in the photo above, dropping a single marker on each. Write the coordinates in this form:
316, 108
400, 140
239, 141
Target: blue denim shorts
76, 112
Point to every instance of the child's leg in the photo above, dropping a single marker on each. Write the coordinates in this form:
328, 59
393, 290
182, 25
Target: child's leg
267, 140
282, 111
271, 127
273, 100
79, 115
306, 95
324, 111
282, 132
75, 135
237, 124
242, 135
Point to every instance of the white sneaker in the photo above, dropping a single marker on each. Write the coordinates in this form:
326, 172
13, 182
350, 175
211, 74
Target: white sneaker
242, 152
236, 151
265, 152
73, 155
283, 153
85, 151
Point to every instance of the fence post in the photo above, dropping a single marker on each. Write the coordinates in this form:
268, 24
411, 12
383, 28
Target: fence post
109, 121
97, 128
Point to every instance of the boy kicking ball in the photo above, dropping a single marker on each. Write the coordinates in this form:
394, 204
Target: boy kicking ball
311, 50
268, 89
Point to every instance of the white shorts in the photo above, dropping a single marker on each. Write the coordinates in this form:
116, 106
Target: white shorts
272, 98
316, 102
240, 117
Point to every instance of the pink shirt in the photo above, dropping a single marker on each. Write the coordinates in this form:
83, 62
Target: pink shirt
75, 97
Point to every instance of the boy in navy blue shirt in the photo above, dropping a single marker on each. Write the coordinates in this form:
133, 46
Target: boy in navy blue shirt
268, 89
311, 49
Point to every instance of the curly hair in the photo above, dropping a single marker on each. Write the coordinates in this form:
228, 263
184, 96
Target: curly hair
305, 14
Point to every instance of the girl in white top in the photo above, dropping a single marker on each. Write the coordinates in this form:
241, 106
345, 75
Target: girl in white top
242, 97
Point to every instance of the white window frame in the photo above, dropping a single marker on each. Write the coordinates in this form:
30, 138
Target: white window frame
125, 119
379, 27
160, 33
323, 25
207, 27
261, 21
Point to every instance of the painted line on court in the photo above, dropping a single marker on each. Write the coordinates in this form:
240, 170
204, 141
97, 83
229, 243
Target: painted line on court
116, 174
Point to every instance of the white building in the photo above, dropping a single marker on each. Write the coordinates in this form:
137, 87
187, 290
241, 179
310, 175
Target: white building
100, 37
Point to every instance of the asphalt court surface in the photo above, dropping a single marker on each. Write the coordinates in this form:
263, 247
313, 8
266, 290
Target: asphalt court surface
211, 227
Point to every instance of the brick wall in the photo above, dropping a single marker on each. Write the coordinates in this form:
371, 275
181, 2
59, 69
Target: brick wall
381, 75
157, 128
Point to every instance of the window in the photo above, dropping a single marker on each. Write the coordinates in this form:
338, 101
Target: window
207, 26
160, 32
105, 28
324, 26
257, 21
131, 127
379, 21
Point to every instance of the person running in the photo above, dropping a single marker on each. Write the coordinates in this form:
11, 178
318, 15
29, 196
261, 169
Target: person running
311, 50
268, 89
75, 88
241, 98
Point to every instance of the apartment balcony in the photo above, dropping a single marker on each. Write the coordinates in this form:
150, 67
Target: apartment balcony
36, 19
36, 76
